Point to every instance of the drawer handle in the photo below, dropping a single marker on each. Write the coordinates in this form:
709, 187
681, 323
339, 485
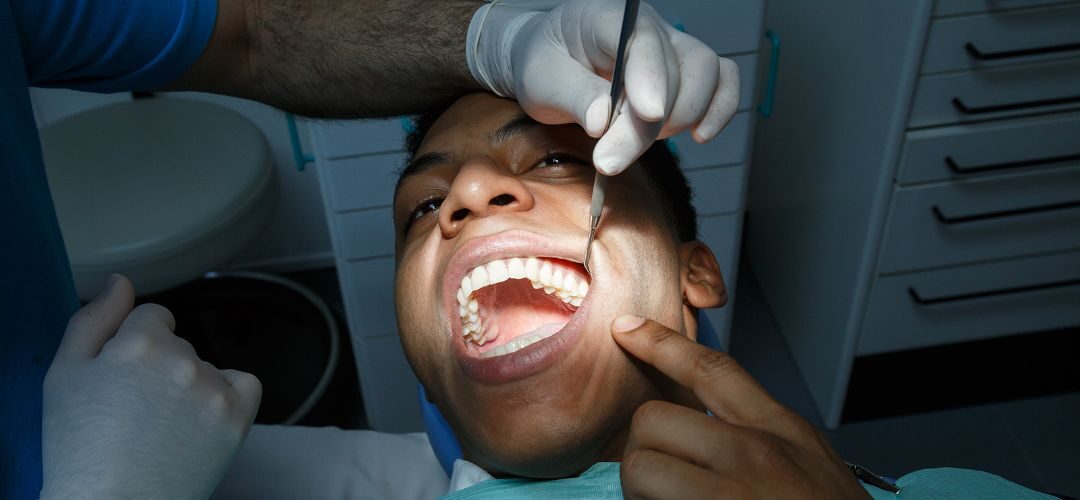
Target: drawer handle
994, 108
925, 301
300, 158
958, 219
974, 51
766, 106
970, 169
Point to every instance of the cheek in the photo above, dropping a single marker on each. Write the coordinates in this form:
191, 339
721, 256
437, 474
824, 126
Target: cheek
418, 303
645, 259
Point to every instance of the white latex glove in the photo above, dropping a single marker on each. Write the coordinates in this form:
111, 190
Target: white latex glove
557, 63
131, 412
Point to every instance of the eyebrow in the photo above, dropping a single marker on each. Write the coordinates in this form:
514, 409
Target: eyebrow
421, 164
513, 128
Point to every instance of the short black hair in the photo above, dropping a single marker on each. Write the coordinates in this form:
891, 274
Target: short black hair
660, 163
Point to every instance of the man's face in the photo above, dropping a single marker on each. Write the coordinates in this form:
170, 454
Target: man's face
529, 378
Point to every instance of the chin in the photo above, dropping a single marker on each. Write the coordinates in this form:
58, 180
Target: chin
551, 452
549, 439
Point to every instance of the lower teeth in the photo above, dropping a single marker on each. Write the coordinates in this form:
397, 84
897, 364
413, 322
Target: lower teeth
524, 341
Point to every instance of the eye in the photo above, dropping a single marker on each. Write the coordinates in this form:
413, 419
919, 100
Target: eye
425, 207
560, 163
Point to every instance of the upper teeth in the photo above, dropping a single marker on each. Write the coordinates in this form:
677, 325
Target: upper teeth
565, 284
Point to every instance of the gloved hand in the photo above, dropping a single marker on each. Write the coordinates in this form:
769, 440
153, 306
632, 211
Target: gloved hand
558, 63
131, 412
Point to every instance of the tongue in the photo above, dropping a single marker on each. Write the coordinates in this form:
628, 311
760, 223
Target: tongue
514, 308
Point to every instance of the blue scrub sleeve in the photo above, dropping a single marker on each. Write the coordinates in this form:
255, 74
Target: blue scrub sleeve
111, 45
97, 45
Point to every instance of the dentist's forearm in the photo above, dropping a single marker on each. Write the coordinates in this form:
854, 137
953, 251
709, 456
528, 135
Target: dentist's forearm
338, 58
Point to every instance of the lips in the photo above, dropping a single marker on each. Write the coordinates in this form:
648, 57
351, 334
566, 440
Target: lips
534, 357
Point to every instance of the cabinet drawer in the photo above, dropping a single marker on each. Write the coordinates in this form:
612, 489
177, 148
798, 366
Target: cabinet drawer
995, 93
972, 302
365, 234
717, 190
730, 146
957, 7
345, 138
727, 27
973, 42
964, 151
367, 288
982, 219
388, 385
361, 182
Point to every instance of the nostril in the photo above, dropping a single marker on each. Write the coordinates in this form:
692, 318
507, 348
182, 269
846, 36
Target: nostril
503, 200
459, 214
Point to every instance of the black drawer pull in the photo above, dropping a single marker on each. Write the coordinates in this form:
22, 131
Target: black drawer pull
958, 219
994, 108
974, 51
925, 301
970, 169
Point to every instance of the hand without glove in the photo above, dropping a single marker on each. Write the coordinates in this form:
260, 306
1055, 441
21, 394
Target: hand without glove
130, 411
558, 64
753, 447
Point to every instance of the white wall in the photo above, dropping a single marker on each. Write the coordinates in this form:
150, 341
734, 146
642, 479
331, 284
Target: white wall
297, 237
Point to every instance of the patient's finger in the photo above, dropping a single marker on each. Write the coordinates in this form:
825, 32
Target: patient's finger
651, 474
690, 435
97, 322
716, 379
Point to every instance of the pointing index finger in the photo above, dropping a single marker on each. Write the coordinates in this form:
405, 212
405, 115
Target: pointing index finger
716, 379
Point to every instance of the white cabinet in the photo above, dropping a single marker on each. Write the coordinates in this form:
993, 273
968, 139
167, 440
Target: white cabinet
357, 164
919, 183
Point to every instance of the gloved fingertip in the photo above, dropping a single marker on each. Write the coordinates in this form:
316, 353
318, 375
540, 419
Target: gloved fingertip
650, 109
705, 132
607, 163
596, 117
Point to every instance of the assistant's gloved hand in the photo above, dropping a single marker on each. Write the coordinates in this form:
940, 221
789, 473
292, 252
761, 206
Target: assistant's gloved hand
131, 412
557, 61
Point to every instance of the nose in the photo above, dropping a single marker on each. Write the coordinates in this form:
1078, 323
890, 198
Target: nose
481, 189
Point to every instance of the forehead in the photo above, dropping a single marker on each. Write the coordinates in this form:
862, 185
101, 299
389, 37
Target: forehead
470, 120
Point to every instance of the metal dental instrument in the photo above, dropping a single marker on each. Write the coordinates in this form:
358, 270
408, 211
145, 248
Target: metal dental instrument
600, 182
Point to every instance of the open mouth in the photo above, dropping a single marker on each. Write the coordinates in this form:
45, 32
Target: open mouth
506, 305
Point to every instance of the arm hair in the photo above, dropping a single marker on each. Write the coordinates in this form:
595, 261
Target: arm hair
338, 58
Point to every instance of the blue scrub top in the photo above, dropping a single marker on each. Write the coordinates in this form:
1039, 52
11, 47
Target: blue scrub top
94, 45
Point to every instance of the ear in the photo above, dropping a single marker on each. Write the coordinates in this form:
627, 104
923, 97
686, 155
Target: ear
702, 283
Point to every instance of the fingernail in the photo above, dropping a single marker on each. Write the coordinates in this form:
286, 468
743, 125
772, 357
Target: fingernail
626, 323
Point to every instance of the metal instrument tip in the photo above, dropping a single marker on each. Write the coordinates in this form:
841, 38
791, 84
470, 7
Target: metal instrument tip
594, 222
588, 250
